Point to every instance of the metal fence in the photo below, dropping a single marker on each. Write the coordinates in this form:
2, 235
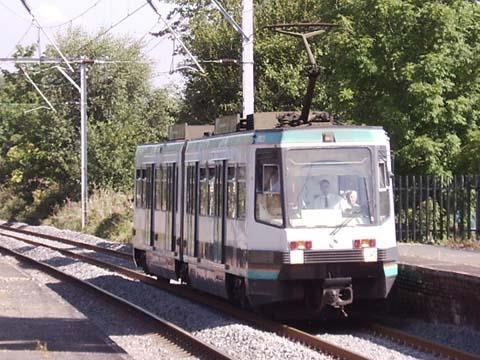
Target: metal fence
433, 208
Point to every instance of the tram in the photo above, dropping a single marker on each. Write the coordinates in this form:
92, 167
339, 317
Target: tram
269, 213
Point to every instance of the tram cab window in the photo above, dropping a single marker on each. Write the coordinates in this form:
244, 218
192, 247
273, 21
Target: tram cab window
203, 191
241, 191
329, 187
268, 195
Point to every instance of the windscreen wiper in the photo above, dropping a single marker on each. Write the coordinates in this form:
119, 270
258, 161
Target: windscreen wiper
342, 225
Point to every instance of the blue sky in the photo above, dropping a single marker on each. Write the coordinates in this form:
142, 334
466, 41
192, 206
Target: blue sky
52, 15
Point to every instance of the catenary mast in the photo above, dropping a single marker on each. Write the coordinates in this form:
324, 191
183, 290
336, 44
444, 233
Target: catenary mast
247, 60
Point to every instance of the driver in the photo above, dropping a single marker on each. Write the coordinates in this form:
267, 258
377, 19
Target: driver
326, 199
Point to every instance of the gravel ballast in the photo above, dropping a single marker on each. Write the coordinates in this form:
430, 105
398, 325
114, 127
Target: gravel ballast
237, 339
122, 330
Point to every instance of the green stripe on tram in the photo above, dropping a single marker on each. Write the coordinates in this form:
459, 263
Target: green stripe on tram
315, 135
262, 274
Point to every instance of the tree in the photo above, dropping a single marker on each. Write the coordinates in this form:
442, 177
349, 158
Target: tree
411, 66
40, 149
280, 60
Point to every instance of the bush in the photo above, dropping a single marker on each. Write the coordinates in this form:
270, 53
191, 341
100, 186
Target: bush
110, 216
11, 205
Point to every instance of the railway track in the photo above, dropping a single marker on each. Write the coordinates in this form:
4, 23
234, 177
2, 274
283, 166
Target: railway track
169, 335
246, 316
115, 253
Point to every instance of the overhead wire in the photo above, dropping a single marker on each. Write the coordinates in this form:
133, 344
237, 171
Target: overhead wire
38, 89
22, 37
13, 12
25, 5
114, 25
148, 31
176, 37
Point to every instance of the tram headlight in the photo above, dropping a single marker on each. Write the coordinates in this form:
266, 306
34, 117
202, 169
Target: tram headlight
301, 245
363, 243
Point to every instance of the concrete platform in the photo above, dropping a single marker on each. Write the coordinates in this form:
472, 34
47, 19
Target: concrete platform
441, 258
36, 324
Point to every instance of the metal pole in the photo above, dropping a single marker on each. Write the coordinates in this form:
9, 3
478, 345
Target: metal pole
83, 140
247, 59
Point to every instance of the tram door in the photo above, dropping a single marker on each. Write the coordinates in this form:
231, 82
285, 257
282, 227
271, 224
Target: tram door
219, 226
171, 206
149, 204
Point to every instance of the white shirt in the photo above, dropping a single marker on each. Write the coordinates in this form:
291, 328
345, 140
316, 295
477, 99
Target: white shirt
326, 201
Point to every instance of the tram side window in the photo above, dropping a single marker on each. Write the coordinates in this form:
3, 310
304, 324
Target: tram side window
211, 191
158, 188
203, 191
163, 175
268, 202
138, 188
190, 191
231, 192
148, 189
144, 189
241, 191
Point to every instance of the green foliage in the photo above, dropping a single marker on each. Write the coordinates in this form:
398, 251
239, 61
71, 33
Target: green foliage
280, 60
110, 216
412, 66
39, 149
468, 159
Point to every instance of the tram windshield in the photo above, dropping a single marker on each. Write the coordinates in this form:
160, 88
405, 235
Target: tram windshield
329, 187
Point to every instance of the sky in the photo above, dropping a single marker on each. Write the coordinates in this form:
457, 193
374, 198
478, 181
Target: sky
57, 15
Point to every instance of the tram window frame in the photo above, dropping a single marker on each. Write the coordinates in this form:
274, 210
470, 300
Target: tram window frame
232, 189
203, 179
265, 157
241, 177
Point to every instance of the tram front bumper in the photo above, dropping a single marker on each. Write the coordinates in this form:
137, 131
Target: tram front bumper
294, 282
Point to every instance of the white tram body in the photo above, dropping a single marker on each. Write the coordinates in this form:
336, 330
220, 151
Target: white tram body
270, 216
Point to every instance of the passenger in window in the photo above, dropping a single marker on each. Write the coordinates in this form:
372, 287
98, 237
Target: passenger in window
350, 204
326, 199
274, 182
271, 181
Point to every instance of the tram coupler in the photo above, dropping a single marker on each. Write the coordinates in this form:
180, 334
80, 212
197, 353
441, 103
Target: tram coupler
337, 292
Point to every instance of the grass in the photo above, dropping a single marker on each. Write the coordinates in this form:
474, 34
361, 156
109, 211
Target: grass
110, 216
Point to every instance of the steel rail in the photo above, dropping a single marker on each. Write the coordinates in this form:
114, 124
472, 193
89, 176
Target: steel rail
173, 333
212, 302
420, 343
115, 253
262, 322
